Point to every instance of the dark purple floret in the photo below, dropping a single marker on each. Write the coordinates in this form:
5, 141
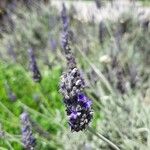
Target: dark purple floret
73, 115
81, 97
87, 104
28, 139
36, 75
79, 111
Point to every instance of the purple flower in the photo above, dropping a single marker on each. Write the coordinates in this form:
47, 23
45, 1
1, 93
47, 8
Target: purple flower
81, 97
36, 75
12, 5
120, 85
65, 34
84, 101
64, 17
53, 44
28, 139
73, 115
11, 95
10, 50
79, 112
87, 104
78, 106
98, 3
102, 32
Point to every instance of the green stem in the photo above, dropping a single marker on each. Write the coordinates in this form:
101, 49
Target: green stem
37, 113
2, 148
8, 111
98, 72
9, 145
104, 139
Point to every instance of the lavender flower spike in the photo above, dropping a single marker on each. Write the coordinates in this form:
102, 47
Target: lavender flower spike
78, 106
28, 140
65, 38
36, 75
65, 19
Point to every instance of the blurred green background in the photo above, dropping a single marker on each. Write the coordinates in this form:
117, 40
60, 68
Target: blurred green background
114, 57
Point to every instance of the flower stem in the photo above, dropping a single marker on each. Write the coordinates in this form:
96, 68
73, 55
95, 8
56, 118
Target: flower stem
104, 139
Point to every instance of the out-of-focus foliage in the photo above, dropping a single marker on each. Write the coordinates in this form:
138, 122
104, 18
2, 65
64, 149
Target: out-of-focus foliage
116, 70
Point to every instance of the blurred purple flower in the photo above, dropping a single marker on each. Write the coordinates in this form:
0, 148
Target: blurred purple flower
53, 44
64, 17
28, 139
98, 3
120, 85
11, 95
10, 50
102, 32
36, 75
133, 76
12, 5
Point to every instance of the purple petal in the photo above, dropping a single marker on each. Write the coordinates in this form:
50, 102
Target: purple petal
73, 115
88, 104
